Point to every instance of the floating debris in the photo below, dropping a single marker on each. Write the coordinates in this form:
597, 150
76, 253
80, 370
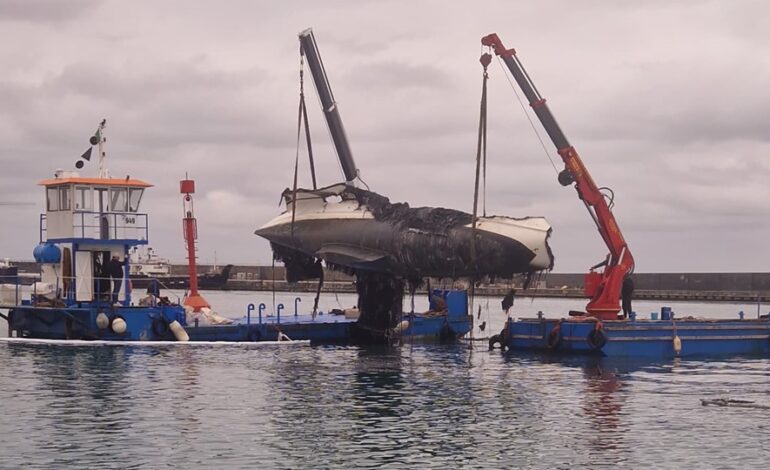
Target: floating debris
733, 402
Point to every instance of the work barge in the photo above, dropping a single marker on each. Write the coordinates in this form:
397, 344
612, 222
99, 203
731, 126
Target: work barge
600, 329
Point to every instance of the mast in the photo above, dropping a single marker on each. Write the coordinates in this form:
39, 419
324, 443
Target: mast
330, 109
100, 140
190, 225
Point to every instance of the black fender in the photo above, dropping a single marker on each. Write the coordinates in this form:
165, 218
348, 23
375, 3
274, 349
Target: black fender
597, 338
497, 339
159, 327
554, 339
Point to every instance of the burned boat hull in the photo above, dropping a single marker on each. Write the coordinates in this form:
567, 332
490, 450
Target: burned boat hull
364, 232
389, 245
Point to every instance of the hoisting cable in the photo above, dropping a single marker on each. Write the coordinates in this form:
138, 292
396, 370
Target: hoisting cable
480, 153
296, 156
303, 106
301, 117
272, 270
318, 290
484, 150
532, 124
537, 134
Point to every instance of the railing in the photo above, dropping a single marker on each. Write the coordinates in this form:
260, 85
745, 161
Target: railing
101, 226
262, 307
65, 292
10, 291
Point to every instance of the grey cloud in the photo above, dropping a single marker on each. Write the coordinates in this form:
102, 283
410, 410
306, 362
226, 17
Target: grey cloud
44, 10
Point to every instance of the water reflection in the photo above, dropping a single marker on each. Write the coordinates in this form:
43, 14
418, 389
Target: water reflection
603, 405
417, 406
85, 394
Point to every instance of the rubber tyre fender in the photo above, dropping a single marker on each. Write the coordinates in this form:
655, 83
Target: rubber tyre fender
496, 339
159, 327
554, 339
596, 338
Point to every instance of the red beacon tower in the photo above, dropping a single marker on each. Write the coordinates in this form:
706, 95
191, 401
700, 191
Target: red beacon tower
190, 226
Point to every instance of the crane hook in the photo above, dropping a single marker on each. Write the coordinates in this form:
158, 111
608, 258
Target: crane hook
485, 59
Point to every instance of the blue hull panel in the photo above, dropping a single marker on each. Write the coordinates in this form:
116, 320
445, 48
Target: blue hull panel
641, 338
151, 324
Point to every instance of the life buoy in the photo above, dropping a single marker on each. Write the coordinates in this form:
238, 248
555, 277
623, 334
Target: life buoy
254, 335
596, 338
496, 340
554, 338
159, 327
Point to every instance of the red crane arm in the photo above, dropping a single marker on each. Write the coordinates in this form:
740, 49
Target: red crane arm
603, 288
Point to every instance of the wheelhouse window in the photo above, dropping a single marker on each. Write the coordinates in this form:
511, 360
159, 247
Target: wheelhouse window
118, 200
102, 199
64, 198
84, 200
52, 198
134, 198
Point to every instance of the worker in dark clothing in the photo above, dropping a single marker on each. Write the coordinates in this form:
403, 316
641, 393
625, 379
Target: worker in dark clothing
626, 293
116, 272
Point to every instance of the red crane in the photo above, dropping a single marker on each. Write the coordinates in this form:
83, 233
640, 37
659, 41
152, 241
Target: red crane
603, 288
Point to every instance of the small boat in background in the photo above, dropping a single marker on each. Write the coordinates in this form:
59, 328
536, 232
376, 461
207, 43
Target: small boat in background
147, 266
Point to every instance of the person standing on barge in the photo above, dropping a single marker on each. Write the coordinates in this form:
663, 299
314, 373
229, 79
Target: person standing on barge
115, 268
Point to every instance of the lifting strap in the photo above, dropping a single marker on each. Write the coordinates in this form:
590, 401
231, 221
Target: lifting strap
318, 290
302, 118
481, 155
303, 108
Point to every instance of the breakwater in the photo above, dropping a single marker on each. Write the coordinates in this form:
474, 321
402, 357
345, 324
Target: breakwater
728, 287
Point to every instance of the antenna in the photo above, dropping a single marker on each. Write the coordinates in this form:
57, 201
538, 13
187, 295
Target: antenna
100, 139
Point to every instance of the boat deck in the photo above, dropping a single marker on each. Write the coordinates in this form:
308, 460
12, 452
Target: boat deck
651, 338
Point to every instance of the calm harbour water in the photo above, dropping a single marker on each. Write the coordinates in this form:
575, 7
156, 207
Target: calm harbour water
414, 406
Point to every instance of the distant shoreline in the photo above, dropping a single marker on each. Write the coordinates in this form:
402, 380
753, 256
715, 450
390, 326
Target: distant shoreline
709, 287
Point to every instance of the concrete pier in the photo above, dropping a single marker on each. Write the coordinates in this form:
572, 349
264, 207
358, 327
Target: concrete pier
717, 287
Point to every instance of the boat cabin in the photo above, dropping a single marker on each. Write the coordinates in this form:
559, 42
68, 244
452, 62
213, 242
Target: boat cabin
87, 221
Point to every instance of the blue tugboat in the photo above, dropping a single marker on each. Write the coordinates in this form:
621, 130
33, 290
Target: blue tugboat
600, 330
89, 226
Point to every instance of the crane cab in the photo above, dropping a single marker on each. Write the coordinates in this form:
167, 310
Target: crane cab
86, 222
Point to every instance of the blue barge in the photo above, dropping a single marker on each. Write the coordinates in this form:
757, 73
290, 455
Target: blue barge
99, 320
665, 338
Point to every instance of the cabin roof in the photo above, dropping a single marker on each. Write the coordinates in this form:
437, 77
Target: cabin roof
121, 182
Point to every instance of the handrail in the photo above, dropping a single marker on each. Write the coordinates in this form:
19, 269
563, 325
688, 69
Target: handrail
103, 226
70, 295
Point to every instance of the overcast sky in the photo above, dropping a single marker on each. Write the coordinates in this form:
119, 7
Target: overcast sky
667, 102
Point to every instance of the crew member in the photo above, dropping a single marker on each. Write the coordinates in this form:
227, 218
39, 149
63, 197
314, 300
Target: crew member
116, 272
626, 293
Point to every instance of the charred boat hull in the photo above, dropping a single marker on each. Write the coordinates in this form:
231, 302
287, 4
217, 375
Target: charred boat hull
364, 232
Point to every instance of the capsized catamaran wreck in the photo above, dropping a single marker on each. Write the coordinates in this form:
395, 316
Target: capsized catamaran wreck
388, 244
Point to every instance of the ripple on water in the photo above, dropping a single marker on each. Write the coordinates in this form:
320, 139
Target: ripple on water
328, 407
